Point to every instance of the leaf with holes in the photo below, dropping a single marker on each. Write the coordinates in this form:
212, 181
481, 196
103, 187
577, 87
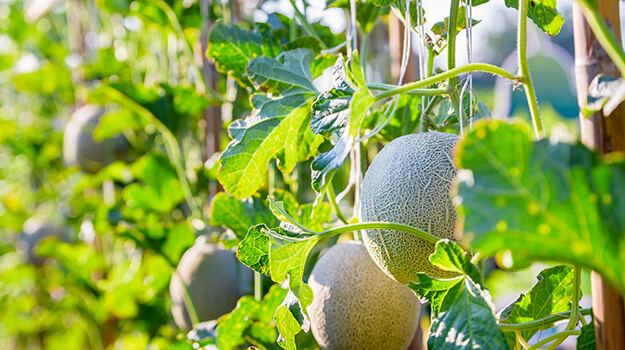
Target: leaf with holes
339, 113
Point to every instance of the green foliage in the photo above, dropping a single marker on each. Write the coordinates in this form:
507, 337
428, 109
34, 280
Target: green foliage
279, 127
547, 193
552, 294
461, 306
543, 13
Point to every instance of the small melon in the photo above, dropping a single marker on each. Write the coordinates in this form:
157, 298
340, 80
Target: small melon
33, 231
79, 147
409, 182
211, 276
356, 305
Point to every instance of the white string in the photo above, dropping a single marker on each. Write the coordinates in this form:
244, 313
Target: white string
422, 61
386, 117
469, 82
352, 33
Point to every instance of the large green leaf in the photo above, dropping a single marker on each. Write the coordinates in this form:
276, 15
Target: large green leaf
543, 13
551, 295
232, 47
279, 126
543, 200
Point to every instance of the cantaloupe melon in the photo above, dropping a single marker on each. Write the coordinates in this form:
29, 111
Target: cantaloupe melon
34, 230
210, 274
356, 305
79, 147
409, 182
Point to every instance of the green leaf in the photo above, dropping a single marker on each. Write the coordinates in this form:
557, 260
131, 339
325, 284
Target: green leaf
605, 93
440, 29
253, 250
434, 290
587, 340
231, 327
232, 47
288, 327
532, 197
466, 321
551, 295
288, 259
449, 256
248, 318
279, 126
339, 113
382, 3
543, 13
160, 190
240, 215
303, 42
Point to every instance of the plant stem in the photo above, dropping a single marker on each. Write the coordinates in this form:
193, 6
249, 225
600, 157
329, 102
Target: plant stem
335, 205
472, 67
379, 225
521, 340
604, 35
543, 322
524, 70
452, 31
418, 92
553, 337
258, 286
302, 18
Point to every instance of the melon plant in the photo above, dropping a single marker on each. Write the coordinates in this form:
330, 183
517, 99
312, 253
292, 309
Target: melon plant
356, 306
209, 273
409, 182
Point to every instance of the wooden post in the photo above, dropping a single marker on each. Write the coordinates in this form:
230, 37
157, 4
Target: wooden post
606, 134
396, 44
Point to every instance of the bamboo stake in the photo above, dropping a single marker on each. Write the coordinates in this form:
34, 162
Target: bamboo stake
606, 134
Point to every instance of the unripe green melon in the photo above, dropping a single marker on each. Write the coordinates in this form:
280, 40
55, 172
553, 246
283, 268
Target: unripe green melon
210, 274
356, 305
409, 182
34, 230
79, 147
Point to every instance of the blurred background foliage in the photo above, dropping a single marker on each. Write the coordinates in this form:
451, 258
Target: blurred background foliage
104, 281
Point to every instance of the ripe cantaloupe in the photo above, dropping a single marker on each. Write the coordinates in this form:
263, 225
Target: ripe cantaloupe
210, 274
409, 182
356, 305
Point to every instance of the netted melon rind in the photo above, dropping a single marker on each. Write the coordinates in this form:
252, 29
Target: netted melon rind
356, 305
409, 182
